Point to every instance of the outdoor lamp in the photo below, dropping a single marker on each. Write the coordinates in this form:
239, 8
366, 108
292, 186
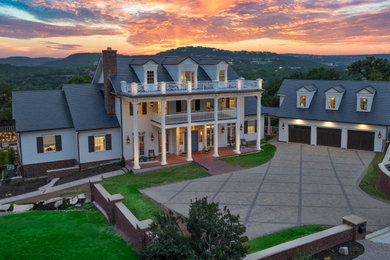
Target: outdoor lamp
223, 99
128, 139
241, 127
152, 137
222, 129
379, 135
283, 126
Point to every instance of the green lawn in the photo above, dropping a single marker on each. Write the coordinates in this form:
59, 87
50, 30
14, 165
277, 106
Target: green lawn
82, 234
368, 184
253, 159
277, 238
129, 184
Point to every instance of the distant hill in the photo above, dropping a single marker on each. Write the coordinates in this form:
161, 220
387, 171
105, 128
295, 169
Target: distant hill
341, 61
26, 61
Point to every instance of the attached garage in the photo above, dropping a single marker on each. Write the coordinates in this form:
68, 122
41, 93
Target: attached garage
361, 140
329, 137
299, 134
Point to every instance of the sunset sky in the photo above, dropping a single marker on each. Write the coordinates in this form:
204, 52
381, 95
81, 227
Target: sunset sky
58, 28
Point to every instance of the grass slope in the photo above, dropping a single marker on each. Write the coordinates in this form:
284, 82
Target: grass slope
61, 235
253, 159
277, 238
368, 184
128, 185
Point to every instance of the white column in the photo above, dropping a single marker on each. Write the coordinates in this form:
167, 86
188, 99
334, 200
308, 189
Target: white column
204, 136
269, 126
259, 124
135, 138
238, 111
344, 138
163, 135
313, 135
216, 128
189, 141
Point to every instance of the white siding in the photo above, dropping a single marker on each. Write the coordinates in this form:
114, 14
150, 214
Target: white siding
29, 146
114, 153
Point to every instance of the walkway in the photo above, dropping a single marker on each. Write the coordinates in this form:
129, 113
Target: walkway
301, 185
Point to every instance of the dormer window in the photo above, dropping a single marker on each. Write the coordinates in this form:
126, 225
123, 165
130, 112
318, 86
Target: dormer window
221, 75
150, 77
363, 104
187, 76
302, 101
332, 102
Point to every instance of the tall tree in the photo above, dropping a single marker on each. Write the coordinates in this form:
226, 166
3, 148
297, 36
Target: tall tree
371, 68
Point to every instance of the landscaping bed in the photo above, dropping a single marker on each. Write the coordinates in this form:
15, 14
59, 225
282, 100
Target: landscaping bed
129, 185
76, 234
264, 242
19, 187
354, 248
252, 159
89, 173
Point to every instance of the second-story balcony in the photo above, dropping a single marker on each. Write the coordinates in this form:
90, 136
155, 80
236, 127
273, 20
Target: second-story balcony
174, 88
181, 118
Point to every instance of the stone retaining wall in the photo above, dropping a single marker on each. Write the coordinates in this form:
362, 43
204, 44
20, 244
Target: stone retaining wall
316, 242
119, 215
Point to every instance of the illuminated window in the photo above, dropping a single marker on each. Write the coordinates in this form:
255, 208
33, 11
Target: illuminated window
221, 75
332, 102
363, 104
181, 136
302, 101
251, 126
141, 143
159, 109
100, 143
187, 76
49, 144
232, 102
150, 77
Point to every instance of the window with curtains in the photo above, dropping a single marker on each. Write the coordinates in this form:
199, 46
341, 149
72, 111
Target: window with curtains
49, 144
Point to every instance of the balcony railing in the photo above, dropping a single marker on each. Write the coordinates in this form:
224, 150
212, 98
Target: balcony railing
180, 118
163, 88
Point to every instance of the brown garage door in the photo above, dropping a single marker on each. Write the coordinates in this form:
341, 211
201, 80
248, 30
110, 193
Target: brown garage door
329, 137
361, 140
299, 134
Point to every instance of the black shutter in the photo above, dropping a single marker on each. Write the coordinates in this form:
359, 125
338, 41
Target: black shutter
197, 104
144, 108
58, 143
108, 142
131, 109
227, 102
91, 144
256, 126
40, 144
245, 127
178, 106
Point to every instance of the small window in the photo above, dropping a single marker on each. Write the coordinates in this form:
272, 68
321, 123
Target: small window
49, 144
363, 104
332, 102
150, 77
251, 126
100, 143
221, 75
232, 102
302, 101
187, 76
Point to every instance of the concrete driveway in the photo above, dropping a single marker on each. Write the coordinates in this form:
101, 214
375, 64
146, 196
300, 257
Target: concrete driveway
301, 185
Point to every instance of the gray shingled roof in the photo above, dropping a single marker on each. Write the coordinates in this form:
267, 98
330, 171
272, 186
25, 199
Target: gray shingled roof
40, 110
338, 88
86, 106
251, 108
379, 114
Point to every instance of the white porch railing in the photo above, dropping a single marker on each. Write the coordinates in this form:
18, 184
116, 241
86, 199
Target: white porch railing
162, 88
181, 118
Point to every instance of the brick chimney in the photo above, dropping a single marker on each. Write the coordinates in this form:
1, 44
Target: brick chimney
109, 70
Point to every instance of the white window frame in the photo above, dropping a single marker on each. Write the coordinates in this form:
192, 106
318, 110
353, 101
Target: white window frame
55, 148
366, 104
249, 126
300, 100
104, 142
219, 75
150, 77
333, 102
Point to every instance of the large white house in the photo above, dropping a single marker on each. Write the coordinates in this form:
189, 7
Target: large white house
137, 107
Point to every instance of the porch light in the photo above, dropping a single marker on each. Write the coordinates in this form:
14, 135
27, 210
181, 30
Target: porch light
380, 135
283, 126
223, 129
152, 137
128, 140
223, 99
241, 127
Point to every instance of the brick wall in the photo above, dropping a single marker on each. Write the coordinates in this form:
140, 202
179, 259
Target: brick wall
87, 165
119, 215
383, 182
39, 169
109, 70
62, 173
